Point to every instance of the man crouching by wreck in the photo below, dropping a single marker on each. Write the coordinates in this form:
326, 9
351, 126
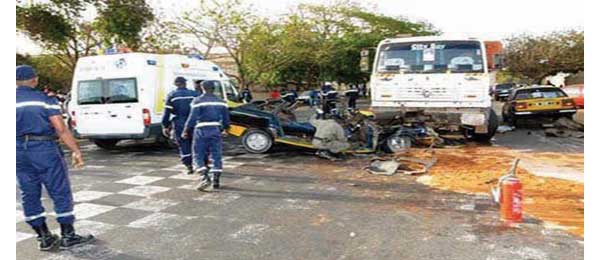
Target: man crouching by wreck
329, 138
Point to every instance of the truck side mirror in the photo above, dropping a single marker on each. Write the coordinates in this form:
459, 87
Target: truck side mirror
365, 61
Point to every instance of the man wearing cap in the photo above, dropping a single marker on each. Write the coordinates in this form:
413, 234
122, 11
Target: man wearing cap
178, 104
208, 119
40, 161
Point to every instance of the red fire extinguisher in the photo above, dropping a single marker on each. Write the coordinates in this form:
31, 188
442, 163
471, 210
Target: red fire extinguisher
509, 194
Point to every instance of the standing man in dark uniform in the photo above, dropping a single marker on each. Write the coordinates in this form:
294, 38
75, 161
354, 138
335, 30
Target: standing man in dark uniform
178, 104
329, 97
352, 95
208, 120
40, 162
247, 95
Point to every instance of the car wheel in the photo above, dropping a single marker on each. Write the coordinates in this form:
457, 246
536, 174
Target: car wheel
492, 126
257, 141
107, 144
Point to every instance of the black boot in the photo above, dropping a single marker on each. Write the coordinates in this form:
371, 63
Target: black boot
47, 240
70, 239
204, 182
190, 169
216, 183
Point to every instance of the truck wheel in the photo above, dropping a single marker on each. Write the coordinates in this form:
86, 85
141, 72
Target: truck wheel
492, 126
107, 144
257, 141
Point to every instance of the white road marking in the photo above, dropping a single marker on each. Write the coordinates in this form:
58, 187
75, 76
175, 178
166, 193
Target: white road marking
188, 187
140, 180
151, 204
183, 176
88, 210
22, 236
158, 221
87, 195
20, 216
250, 233
218, 199
231, 165
144, 191
94, 166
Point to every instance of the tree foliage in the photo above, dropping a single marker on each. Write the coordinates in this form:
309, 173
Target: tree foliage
535, 57
49, 71
59, 27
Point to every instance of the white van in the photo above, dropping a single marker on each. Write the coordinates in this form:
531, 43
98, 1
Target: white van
122, 96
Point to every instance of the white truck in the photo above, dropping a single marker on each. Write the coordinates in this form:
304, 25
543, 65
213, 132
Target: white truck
442, 82
122, 96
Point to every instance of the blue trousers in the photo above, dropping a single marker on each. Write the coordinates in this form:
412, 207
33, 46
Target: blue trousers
42, 163
208, 140
184, 146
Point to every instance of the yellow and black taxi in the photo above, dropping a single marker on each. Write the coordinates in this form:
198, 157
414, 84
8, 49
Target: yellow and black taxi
537, 102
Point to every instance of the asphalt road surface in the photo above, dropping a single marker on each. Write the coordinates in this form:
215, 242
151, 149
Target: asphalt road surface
287, 204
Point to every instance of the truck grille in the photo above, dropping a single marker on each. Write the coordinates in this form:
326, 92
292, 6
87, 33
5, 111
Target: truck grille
429, 93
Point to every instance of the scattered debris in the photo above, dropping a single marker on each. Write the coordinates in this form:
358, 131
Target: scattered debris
352, 234
504, 129
406, 163
380, 167
564, 127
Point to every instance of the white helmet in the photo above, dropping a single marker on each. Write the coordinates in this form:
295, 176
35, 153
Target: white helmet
327, 83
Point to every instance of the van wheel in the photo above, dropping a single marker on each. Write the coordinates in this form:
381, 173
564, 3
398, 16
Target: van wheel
492, 126
107, 144
257, 141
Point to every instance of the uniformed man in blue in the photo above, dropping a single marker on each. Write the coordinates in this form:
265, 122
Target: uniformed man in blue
178, 104
328, 97
246, 95
207, 122
40, 162
352, 95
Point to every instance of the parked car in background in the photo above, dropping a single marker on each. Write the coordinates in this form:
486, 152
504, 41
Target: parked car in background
575, 91
502, 91
536, 102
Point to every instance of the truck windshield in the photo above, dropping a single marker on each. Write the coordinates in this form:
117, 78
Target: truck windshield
107, 91
431, 57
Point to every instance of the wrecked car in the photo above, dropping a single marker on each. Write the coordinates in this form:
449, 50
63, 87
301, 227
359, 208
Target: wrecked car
260, 125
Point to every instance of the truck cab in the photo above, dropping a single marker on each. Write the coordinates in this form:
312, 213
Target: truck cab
442, 82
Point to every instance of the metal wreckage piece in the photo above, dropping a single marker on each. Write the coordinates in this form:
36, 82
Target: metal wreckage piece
404, 164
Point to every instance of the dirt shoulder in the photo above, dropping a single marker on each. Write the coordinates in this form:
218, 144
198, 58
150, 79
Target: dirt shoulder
476, 169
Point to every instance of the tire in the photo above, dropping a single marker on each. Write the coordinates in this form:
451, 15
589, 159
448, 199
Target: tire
107, 144
257, 141
492, 126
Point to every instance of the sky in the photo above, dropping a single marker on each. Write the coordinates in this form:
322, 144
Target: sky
485, 19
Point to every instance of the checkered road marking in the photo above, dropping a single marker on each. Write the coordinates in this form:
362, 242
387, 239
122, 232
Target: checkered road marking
141, 187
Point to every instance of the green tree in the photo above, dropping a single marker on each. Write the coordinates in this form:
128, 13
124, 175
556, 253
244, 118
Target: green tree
49, 70
58, 26
535, 57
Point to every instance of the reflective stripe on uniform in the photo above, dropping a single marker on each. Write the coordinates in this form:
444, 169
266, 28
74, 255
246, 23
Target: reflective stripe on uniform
178, 98
216, 170
65, 214
201, 124
170, 107
351, 90
37, 104
30, 218
184, 155
203, 104
287, 95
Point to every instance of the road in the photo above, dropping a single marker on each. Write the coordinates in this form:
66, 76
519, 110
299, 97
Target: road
285, 205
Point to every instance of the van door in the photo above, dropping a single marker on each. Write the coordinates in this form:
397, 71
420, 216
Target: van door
109, 107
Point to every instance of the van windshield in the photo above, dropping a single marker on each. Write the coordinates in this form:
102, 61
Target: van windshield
431, 57
105, 91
